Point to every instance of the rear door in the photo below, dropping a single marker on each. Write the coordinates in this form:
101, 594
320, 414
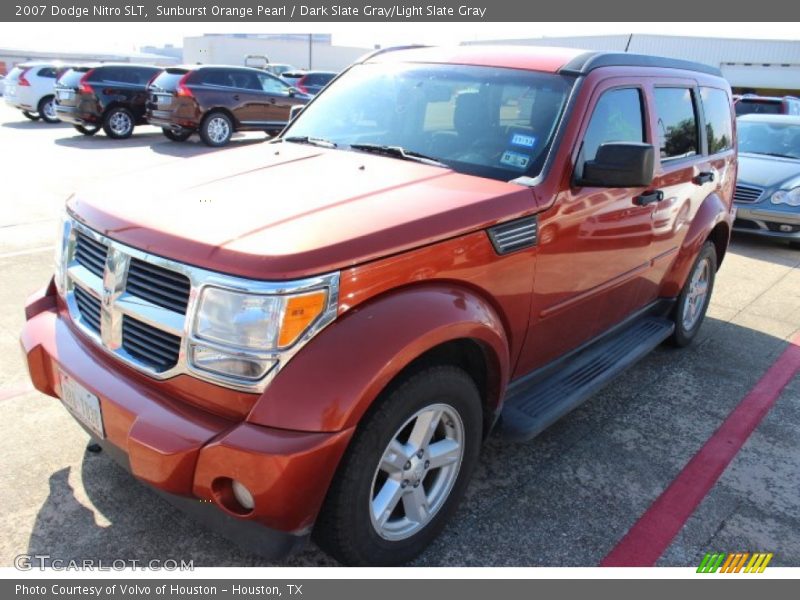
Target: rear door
684, 173
161, 92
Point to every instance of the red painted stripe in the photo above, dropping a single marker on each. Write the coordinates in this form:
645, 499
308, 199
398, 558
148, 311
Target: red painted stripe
652, 534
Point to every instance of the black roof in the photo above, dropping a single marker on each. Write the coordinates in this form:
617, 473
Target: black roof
585, 63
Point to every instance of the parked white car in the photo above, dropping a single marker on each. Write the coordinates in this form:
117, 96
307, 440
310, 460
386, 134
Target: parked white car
2, 84
29, 87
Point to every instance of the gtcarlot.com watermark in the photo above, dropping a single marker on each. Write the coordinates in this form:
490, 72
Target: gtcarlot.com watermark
30, 562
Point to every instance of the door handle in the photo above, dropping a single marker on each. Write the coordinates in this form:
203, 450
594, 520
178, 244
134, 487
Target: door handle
272, 100
704, 177
236, 97
649, 198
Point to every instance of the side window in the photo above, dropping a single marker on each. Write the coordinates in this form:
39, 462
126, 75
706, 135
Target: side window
215, 77
144, 75
245, 80
48, 72
273, 85
677, 123
617, 117
717, 111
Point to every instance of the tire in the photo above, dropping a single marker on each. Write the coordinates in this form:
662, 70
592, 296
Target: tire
347, 527
794, 245
118, 123
692, 305
47, 110
86, 130
31, 115
175, 136
216, 129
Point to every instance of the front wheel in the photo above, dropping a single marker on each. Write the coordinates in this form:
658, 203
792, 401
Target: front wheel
118, 123
30, 115
176, 136
695, 296
47, 110
406, 470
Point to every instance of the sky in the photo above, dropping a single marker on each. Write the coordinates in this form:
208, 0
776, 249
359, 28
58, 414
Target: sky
130, 37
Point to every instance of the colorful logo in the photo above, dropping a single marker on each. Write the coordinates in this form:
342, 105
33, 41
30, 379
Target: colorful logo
734, 562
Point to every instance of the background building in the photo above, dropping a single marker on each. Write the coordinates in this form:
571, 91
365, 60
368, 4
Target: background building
300, 50
9, 57
767, 67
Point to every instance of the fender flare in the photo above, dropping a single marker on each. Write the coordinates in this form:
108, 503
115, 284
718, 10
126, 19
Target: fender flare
711, 213
330, 384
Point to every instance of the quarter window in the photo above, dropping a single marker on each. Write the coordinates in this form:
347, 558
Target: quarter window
677, 123
717, 111
617, 117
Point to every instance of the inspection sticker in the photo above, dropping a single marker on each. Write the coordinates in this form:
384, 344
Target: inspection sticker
520, 139
515, 160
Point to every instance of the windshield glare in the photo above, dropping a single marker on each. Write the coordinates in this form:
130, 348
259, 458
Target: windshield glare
780, 139
484, 121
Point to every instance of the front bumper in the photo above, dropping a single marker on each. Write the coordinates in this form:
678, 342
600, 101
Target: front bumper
184, 452
768, 221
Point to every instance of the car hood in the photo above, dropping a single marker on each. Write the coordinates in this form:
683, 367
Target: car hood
282, 211
768, 171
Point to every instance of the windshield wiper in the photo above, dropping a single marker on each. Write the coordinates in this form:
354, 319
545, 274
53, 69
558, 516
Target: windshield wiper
398, 152
313, 141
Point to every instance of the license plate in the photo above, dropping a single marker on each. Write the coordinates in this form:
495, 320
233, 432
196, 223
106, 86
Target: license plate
162, 99
65, 94
82, 403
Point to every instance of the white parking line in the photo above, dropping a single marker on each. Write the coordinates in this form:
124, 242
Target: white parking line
24, 252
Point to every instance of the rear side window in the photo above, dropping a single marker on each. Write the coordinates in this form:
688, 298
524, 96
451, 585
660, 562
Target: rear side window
617, 117
273, 85
717, 111
677, 123
761, 107
48, 72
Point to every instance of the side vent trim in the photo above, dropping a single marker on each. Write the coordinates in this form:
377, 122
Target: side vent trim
514, 235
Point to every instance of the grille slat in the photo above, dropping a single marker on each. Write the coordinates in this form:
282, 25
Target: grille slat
89, 308
91, 254
747, 193
164, 288
154, 347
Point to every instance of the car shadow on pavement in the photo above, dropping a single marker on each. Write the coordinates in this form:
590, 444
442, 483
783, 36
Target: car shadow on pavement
759, 248
27, 124
562, 499
100, 141
194, 147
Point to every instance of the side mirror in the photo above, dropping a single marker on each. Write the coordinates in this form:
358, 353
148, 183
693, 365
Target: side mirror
620, 165
295, 110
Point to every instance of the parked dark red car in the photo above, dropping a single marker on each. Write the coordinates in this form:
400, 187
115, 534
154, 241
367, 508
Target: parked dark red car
487, 236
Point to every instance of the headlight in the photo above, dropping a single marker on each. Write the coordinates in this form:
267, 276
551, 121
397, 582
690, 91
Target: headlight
62, 239
790, 197
241, 327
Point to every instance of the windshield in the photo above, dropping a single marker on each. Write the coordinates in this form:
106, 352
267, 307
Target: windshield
483, 121
775, 139
762, 107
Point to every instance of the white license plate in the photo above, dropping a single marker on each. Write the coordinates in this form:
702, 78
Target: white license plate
65, 94
82, 403
162, 99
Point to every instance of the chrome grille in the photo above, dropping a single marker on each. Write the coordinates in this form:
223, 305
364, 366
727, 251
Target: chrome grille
91, 254
162, 287
158, 349
89, 309
747, 193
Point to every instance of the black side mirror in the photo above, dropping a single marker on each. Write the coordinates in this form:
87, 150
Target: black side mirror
295, 110
620, 165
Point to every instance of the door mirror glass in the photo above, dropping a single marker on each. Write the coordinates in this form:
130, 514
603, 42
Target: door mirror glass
620, 165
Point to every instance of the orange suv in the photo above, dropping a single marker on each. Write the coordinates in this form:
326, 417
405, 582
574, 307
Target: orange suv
486, 237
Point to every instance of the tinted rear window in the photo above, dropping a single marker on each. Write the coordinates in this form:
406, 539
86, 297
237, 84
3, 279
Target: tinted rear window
124, 74
73, 77
761, 107
168, 80
318, 78
719, 128
48, 72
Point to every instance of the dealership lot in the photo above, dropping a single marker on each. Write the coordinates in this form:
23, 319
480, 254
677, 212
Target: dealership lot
566, 498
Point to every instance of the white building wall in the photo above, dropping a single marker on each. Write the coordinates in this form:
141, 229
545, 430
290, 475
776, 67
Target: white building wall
232, 51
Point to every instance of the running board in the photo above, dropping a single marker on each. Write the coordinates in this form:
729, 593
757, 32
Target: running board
535, 402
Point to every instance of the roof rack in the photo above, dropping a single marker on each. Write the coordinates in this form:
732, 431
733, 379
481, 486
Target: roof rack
585, 63
375, 53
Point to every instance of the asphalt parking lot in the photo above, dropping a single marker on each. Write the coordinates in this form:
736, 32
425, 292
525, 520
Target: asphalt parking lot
566, 498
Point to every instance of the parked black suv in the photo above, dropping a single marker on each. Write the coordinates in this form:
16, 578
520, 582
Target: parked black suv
111, 96
216, 101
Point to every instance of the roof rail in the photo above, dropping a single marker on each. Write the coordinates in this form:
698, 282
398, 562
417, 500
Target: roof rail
375, 53
589, 61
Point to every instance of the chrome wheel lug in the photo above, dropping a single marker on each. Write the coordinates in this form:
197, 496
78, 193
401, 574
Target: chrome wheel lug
427, 464
407, 466
420, 453
404, 484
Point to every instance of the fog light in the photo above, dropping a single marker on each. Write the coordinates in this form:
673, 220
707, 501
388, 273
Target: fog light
231, 365
243, 495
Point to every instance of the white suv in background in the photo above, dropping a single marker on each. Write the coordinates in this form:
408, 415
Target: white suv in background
29, 87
